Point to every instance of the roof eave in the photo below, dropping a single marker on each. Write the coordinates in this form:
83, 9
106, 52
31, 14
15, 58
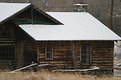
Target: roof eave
15, 14
76, 40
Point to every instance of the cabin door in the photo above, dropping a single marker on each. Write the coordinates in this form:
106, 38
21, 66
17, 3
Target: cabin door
7, 57
29, 58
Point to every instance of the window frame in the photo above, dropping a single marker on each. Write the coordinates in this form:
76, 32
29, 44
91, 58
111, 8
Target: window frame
8, 54
46, 58
88, 54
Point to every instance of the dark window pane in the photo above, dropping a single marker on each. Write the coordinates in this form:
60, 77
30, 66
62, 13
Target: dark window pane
49, 53
6, 53
49, 49
85, 54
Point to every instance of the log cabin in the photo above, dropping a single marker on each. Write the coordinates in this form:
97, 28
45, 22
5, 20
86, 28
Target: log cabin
66, 40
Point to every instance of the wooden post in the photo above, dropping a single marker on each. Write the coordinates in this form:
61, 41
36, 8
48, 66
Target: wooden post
32, 15
74, 55
38, 61
111, 15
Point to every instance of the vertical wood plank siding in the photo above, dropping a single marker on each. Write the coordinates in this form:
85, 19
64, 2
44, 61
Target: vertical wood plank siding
101, 54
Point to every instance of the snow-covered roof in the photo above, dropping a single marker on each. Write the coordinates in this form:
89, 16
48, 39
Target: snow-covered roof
9, 9
77, 26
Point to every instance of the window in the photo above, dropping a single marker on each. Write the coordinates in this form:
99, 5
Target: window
49, 52
85, 54
6, 53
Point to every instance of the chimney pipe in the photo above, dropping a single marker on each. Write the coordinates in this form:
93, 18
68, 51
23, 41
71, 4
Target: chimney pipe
80, 7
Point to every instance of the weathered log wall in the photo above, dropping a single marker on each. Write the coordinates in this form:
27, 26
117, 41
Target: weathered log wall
7, 45
101, 54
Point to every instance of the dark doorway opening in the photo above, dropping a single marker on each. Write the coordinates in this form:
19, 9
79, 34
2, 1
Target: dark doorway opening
30, 57
7, 57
